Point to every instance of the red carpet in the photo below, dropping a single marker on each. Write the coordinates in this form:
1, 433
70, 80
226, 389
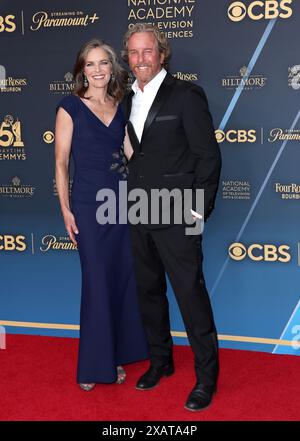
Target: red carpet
37, 382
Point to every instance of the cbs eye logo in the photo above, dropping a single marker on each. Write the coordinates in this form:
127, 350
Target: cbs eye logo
257, 252
258, 10
7, 24
48, 137
235, 136
237, 11
237, 251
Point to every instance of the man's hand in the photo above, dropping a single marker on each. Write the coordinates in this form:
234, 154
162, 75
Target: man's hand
196, 215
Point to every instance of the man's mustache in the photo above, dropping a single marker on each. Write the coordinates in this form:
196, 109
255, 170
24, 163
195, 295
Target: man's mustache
142, 65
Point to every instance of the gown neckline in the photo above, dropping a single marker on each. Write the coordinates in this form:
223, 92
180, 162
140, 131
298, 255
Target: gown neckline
94, 114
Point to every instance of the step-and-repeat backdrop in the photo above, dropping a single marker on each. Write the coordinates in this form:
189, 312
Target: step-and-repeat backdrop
246, 56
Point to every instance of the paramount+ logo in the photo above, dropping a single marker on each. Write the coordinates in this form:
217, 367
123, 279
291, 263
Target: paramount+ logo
260, 252
259, 10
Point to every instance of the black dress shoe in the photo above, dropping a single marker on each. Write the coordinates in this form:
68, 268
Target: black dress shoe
200, 397
151, 378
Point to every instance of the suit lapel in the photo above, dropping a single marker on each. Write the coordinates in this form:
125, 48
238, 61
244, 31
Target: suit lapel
159, 100
131, 132
127, 104
161, 96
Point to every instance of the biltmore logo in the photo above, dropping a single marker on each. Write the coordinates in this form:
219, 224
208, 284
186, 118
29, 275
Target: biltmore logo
259, 253
64, 86
245, 80
260, 10
17, 189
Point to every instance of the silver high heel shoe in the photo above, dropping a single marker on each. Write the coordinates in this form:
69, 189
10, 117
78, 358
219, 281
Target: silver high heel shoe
121, 375
87, 386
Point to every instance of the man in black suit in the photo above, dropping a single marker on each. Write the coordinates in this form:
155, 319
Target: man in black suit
173, 146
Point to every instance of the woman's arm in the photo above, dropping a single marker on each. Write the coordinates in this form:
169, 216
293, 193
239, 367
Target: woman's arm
128, 150
63, 141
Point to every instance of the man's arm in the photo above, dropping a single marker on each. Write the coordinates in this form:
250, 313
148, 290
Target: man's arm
198, 126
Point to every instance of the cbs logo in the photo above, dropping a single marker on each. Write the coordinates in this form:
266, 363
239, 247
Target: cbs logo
12, 243
257, 10
235, 135
257, 252
7, 24
48, 137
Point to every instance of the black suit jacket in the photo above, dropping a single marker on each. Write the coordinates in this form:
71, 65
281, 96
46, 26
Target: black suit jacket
178, 148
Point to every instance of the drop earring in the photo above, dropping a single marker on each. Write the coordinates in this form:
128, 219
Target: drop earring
85, 81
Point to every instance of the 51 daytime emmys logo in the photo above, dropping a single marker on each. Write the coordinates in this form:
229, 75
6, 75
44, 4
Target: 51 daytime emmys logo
11, 142
260, 10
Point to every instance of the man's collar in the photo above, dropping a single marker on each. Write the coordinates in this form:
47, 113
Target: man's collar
153, 84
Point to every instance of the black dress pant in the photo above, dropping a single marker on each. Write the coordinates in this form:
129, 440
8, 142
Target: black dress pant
169, 250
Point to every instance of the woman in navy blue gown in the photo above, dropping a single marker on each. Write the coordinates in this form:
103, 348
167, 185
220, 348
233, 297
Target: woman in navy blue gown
90, 125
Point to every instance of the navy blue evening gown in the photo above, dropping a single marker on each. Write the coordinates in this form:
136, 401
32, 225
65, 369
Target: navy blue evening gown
111, 331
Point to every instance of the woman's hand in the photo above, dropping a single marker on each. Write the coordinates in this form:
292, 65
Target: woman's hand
70, 224
128, 150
